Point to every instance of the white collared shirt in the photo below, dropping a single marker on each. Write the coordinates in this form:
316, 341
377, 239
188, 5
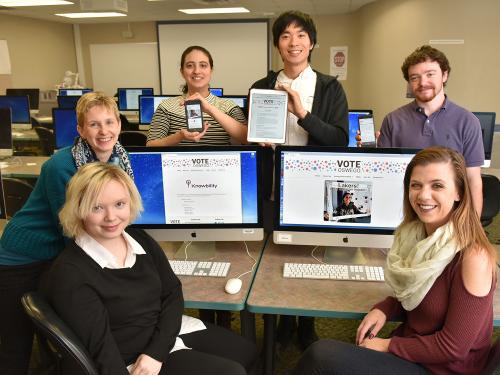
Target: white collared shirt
305, 85
103, 257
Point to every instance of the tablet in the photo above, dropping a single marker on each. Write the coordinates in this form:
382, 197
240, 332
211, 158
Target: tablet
267, 116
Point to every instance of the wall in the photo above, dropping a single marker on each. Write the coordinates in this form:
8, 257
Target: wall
40, 51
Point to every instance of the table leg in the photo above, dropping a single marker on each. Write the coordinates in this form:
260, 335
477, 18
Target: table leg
269, 343
247, 324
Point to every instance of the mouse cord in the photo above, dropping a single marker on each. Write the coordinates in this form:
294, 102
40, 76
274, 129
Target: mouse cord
254, 261
186, 250
312, 254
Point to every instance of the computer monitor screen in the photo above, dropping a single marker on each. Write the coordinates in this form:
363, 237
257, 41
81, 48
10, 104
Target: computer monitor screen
353, 123
487, 121
217, 91
5, 132
73, 92
239, 100
33, 94
19, 106
148, 105
128, 98
65, 122
354, 195
68, 101
199, 193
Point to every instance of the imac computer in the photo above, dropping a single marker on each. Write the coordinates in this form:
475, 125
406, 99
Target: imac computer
128, 98
239, 100
68, 101
487, 121
20, 110
33, 94
5, 132
195, 194
217, 91
64, 120
353, 123
341, 198
73, 92
148, 105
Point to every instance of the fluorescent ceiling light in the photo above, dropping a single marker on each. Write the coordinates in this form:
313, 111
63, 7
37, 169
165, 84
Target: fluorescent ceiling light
32, 3
91, 14
214, 10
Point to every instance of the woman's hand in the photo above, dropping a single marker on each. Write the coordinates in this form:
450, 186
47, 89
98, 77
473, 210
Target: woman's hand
146, 365
205, 106
370, 326
194, 136
294, 103
359, 142
380, 345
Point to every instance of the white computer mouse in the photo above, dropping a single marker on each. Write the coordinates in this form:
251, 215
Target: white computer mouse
233, 286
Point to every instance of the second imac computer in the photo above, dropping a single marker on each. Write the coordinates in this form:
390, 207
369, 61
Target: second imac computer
128, 98
65, 121
353, 123
33, 94
73, 92
342, 198
5, 132
20, 110
147, 107
199, 194
487, 121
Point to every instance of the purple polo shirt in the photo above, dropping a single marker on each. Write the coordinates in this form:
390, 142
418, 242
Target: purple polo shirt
452, 126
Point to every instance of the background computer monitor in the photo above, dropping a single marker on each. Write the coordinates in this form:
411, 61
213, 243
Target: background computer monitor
128, 98
353, 123
2, 200
239, 100
487, 121
64, 121
148, 105
5, 132
373, 177
217, 91
199, 193
73, 92
20, 110
68, 101
33, 94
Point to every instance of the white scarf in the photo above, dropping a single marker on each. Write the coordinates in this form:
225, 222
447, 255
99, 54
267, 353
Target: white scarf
415, 261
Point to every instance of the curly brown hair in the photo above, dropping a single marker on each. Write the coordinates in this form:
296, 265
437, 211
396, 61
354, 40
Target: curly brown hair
425, 53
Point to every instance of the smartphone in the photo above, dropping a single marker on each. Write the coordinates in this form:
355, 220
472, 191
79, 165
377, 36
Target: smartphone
194, 116
367, 130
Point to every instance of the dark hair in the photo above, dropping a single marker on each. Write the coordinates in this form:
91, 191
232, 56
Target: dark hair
298, 18
186, 52
426, 53
345, 193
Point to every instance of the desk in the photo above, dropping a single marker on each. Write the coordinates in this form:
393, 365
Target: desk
23, 166
208, 292
25, 135
272, 294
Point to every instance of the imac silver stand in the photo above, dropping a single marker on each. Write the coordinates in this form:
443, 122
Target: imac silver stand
196, 250
343, 255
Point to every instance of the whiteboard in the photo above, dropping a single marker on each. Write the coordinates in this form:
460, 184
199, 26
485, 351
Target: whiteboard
124, 65
240, 51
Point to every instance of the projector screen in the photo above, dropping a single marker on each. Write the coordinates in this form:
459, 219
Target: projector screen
240, 50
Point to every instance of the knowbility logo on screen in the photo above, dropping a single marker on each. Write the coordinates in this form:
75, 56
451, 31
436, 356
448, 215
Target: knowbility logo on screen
192, 185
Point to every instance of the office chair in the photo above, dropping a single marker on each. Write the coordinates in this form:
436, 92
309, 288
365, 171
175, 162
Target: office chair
126, 124
133, 138
491, 201
70, 354
47, 140
493, 364
16, 194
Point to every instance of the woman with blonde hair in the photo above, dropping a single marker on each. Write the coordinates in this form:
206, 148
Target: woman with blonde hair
114, 287
441, 269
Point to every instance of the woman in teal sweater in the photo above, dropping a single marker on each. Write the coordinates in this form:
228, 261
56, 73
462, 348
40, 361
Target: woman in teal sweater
34, 236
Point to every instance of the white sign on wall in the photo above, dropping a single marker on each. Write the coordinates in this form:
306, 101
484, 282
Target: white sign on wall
4, 58
338, 62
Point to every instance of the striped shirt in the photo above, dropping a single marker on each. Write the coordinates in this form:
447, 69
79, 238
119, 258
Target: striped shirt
170, 118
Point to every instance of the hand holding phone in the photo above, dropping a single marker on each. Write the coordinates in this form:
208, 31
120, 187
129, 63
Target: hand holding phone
194, 115
367, 130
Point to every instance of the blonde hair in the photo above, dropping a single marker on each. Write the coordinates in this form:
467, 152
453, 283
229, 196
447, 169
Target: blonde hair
468, 230
83, 190
93, 99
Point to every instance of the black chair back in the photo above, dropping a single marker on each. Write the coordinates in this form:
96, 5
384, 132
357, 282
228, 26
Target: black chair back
491, 198
47, 140
71, 355
133, 138
16, 194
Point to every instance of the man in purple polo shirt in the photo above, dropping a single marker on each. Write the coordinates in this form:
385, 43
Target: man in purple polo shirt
432, 119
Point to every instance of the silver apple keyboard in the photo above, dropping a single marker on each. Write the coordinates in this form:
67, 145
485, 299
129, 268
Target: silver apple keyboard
199, 268
353, 272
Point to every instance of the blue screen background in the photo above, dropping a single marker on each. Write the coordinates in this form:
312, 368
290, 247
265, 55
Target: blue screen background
19, 107
353, 126
122, 99
64, 127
